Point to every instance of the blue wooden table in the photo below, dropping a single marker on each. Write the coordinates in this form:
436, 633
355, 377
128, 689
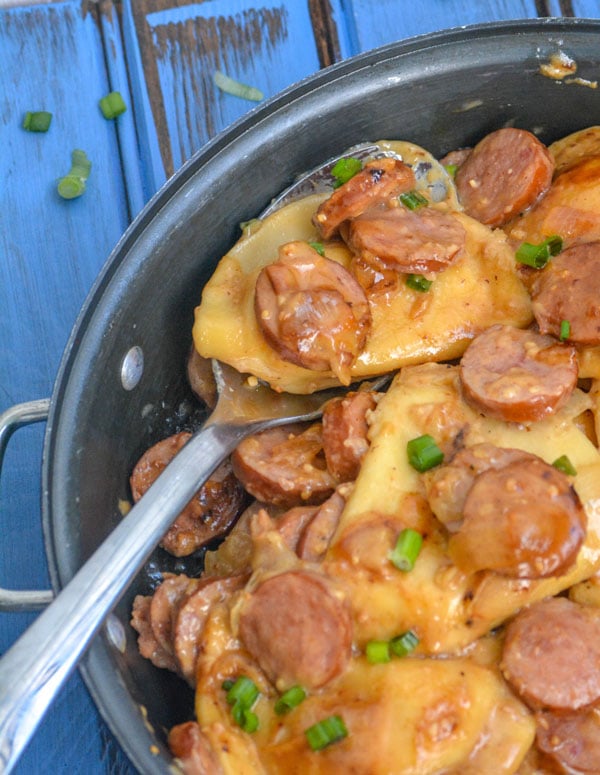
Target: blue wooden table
160, 55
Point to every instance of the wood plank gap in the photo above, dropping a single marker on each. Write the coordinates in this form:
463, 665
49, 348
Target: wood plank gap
566, 8
541, 8
325, 32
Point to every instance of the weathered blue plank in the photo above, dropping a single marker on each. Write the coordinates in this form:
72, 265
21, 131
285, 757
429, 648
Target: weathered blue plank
589, 9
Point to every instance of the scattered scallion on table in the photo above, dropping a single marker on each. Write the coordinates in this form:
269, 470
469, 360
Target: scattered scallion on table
538, 255
112, 105
407, 549
326, 732
37, 120
73, 183
236, 88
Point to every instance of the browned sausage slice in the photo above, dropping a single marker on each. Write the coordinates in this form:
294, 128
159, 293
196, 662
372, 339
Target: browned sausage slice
284, 466
505, 174
211, 512
166, 600
191, 618
551, 654
297, 629
148, 646
345, 429
312, 311
378, 181
422, 241
571, 739
316, 537
201, 378
569, 289
517, 375
523, 520
192, 748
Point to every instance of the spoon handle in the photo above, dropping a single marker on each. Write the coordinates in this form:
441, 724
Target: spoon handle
34, 669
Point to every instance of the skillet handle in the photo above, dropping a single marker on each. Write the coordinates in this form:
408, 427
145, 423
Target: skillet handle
16, 417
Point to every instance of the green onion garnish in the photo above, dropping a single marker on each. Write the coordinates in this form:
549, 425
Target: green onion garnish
289, 700
418, 283
403, 644
538, 256
319, 247
564, 464
451, 169
112, 105
73, 183
326, 732
413, 200
37, 121
244, 718
344, 169
236, 88
424, 453
377, 651
243, 691
227, 684
565, 330
407, 549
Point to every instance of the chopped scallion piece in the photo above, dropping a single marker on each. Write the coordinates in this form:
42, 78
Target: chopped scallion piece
243, 692
112, 105
418, 283
451, 169
413, 200
565, 330
424, 453
73, 183
289, 699
236, 88
403, 644
377, 651
244, 717
538, 255
37, 121
319, 247
564, 464
407, 549
344, 169
326, 732
227, 684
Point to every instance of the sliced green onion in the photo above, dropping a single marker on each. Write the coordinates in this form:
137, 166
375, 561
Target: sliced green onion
112, 105
413, 200
326, 732
424, 453
403, 644
289, 700
243, 692
418, 283
377, 651
244, 718
73, 183
451, 169
37, 121
564, 464
227, 684
319, 247
236, 88
407, 549
538, 255
565, 330
344, 169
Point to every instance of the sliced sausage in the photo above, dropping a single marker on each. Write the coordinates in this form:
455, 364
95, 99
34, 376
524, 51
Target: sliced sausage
316, 536
210, 513
345, 429
422, 241
148, 646
285, 466
201, 378
192, 748
166, 600
191, 618
523, 520
447, 485
455, 158
568, 289
291, 524
571, 739
551, 655
505, 174
517, 375
378, 181
297, 629
312, 311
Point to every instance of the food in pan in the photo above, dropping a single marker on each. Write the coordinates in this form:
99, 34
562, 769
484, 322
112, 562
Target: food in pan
412, 584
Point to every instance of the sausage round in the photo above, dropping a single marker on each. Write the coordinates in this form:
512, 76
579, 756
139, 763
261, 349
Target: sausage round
571, 739
284, 466
505, 174
422, 241
345, 429
551, 655
190, 745
317, 534
312, 310
379, 180
568, 289
517, 375
210, 513
297, 629
148, 646
523, 520
166, 600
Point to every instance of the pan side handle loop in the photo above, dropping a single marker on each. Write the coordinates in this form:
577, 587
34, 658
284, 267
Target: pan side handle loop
13, 418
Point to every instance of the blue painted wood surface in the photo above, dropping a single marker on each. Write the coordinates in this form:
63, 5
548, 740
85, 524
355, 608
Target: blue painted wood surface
161, 55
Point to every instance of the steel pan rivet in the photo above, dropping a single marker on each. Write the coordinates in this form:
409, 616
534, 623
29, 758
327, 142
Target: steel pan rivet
132, 368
